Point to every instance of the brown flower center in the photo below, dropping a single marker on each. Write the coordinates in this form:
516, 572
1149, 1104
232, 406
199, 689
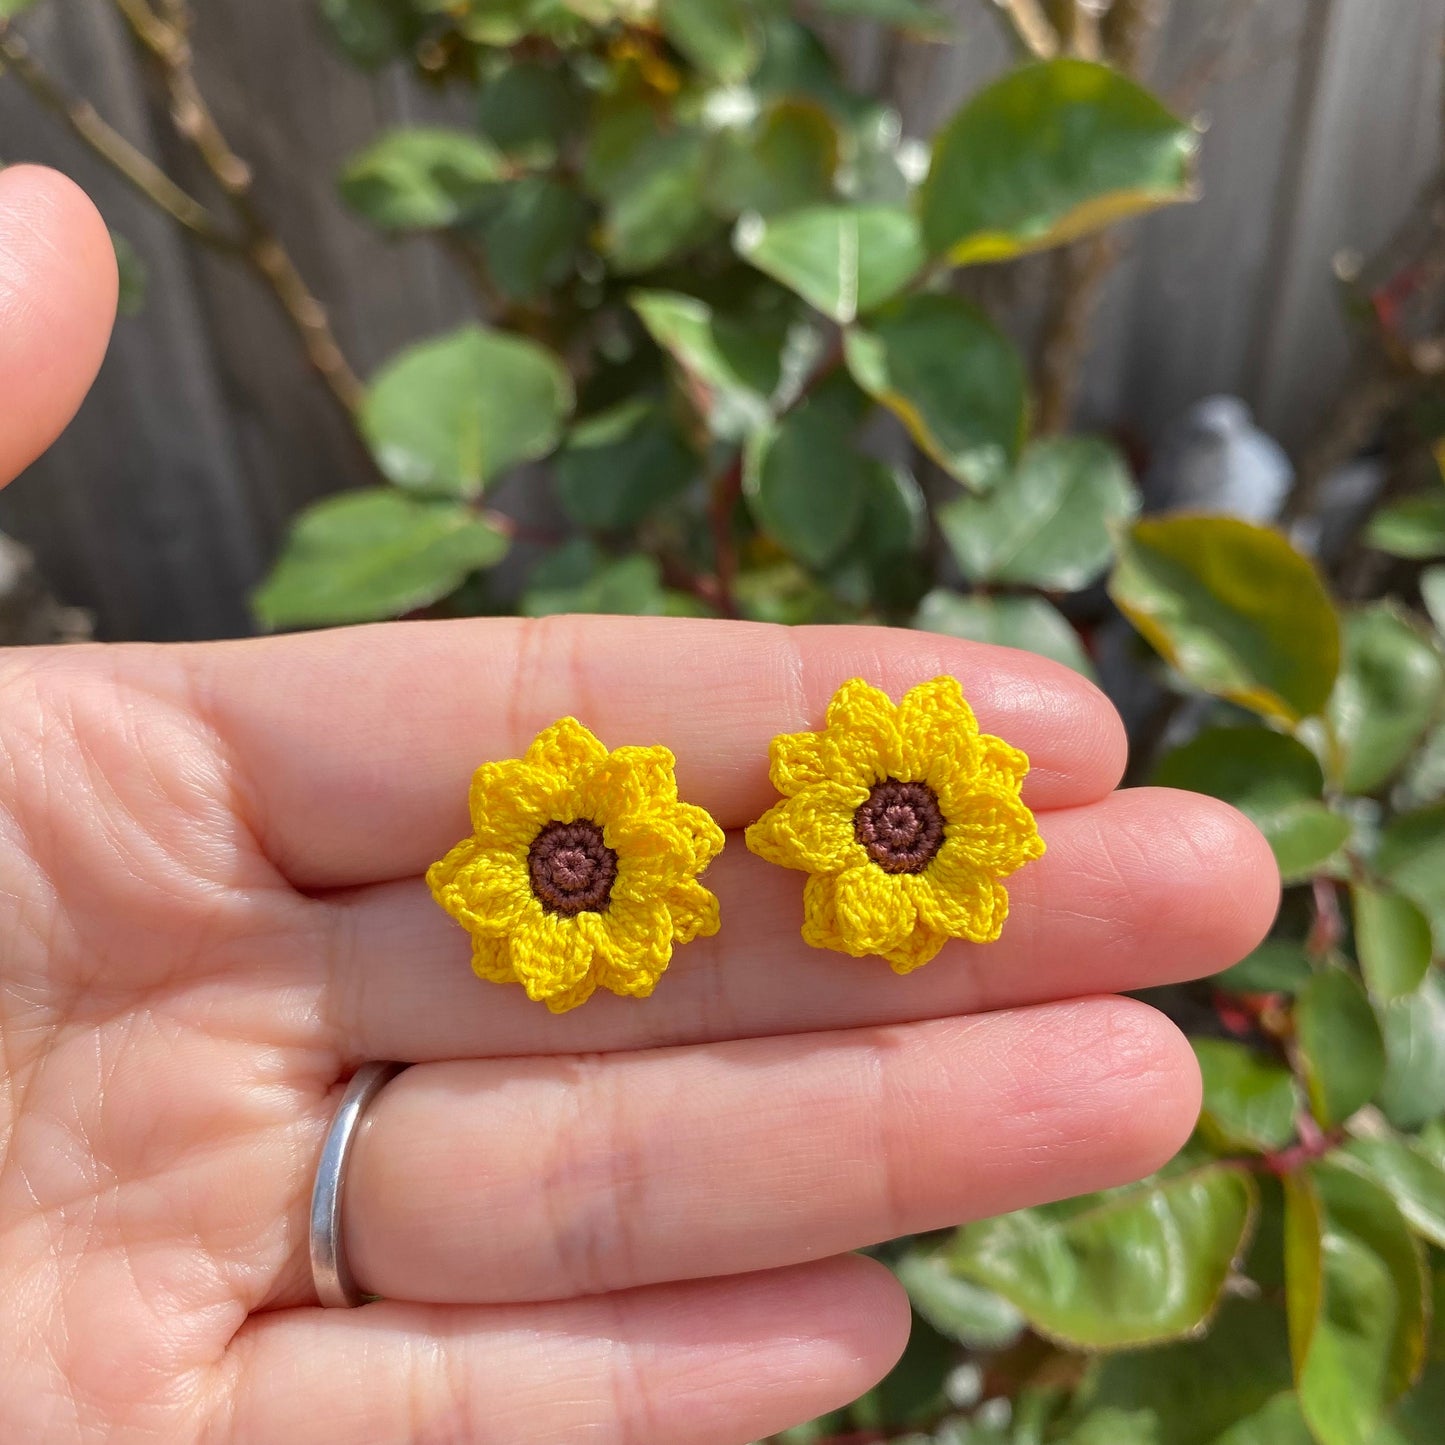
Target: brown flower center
572, 869
900, 825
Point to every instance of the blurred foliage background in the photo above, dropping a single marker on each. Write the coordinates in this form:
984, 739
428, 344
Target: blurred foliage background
738, 337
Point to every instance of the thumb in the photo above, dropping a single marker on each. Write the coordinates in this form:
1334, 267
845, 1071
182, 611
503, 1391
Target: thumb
57, 305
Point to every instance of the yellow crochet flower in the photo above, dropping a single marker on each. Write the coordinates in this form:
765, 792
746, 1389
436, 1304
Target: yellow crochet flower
581, 871
907, 817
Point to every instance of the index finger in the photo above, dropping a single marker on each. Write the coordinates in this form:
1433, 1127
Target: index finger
355, 747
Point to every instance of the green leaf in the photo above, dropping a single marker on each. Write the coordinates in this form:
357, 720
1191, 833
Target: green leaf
133, 273
371, 32
421, 179
806, 482
1417, 1421
1237, 610
1389, 690
1432, 590
911, 15
956, 382
579, 578
841, 260
963, 1311
1414, 528
369, 555
451, 414
1050, 153
650, 182
1281, 1422
1355, 1286
783, 160
1197, 1390
1412, 857
1249, 1101
1028, 623
880, 565
533, 231
1276, 966
719, 37
1414, 1089
1274, 780
1050, 524
732, 364
1133, 1267
618, 467
1340, 1045
529, 110
1415, 1182
1393, 941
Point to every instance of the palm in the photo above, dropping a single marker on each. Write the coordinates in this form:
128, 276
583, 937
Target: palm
615, 1223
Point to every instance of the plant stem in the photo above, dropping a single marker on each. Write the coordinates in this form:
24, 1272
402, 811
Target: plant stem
1031, 26
119, 154
727, 491
167, 39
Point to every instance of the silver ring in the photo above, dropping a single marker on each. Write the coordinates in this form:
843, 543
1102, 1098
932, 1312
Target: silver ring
330, 1273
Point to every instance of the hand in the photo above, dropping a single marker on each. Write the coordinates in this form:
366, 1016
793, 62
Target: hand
629, 1223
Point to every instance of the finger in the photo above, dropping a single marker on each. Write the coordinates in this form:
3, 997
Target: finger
57, 302
356, 747
699, 1364
1147, 887
683, 1163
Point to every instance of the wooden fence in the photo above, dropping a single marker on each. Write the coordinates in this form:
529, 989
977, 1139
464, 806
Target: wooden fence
164, 502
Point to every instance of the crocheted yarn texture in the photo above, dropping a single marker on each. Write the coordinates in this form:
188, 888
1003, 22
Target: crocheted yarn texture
907, 817
581, 871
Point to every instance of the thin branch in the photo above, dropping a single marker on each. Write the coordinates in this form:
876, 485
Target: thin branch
113, 148
1031, 27
167, 40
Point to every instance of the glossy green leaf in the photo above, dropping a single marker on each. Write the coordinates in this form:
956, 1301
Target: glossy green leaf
842, 260
1414, 1181
733, 366
1414, 528
1412, 857
1432, 591
451, 414
881, 566
1050, 524
956, 1307
1276, 966
1340, 1045
1389, 691
370, 555
1414, 1089
782, 161
371, 32
1274, 780
1393, 941
1356, 1294
1050, 153
1028, 623
1235, 608
133, 275
617, 467
720, 37
1417, 1420
421, 179
1133, 1267
1196, 1391
956, 382
806, 482
529, 109
1280, 1422
533, 232
579, 578
1250, 1101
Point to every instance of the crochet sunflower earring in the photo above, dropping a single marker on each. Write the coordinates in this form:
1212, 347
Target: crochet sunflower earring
581, 871
906, 817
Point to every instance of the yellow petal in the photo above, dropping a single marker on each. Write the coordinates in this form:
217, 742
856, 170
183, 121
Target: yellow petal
1001, 768
820, 913
633, 945
796, 761
862, 743
694, 912
960, 901
566, 748
579, 993
492, 960
812, 831
875, 911
627, 781
486, 890
551, 955
934, 721
510, 800
920, 947
996, 834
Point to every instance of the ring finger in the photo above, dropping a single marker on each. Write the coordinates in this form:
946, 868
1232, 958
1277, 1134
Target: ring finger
532, 1179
